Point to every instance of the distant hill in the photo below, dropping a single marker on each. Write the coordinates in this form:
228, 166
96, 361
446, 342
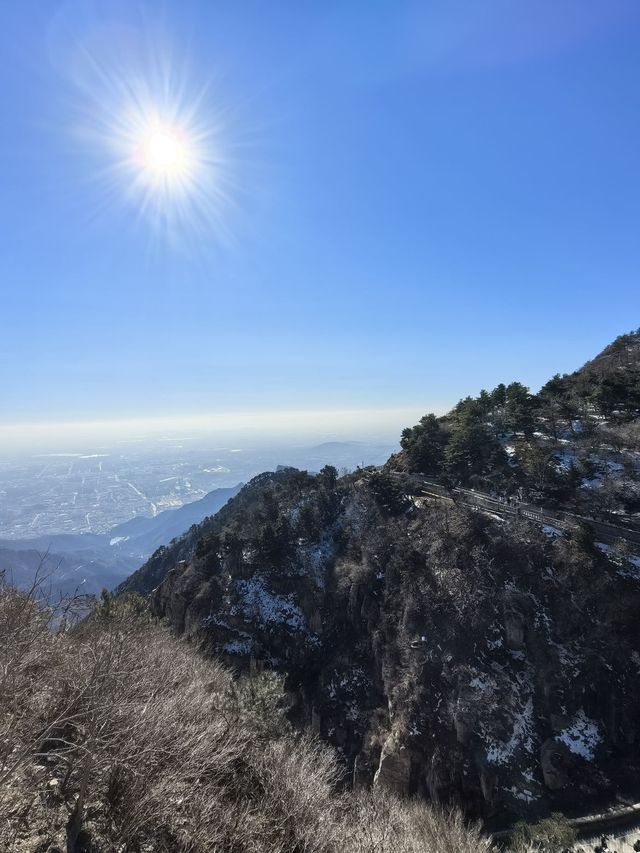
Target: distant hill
91, 561
142, 535
342, 454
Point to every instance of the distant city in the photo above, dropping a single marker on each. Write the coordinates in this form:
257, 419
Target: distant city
94, 490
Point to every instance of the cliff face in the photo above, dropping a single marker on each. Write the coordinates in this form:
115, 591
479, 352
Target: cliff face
443, 652
447, 647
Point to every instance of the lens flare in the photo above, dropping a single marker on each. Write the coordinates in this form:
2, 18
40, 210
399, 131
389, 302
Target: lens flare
155, 140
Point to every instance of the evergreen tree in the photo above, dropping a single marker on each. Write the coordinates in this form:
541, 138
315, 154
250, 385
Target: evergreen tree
472, 451
540, 471
275, 541
499, 395
486, 402
424, 445
388, 494
469, 407
328, 476
207, 554
519, 407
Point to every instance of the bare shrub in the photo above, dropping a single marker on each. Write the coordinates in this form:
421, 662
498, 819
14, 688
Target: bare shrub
550, 835
34, 642
114, 735
383, 823
292, 782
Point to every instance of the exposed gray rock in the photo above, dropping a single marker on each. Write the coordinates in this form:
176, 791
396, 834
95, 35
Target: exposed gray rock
554, 763
394, 770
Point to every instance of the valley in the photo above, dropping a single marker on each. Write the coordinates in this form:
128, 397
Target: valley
89, 520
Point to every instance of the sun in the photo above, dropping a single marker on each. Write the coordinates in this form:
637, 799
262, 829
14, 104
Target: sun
165, 152
162, 139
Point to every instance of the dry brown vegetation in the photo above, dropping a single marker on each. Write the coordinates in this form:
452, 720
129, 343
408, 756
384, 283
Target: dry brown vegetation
115, 736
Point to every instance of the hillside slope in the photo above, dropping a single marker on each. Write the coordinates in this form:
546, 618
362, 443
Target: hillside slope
465, 656
118, 737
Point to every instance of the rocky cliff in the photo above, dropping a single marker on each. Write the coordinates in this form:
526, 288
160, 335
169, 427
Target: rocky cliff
444, 651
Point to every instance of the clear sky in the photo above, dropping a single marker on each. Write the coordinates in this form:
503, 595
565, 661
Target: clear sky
400, 202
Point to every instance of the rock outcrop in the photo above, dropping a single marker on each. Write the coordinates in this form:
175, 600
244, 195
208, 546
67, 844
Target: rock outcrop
442, 653
444, 647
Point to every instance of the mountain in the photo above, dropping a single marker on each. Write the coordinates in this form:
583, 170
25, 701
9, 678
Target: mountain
90, 561
143, 535
461, 623
620, 357
610, 382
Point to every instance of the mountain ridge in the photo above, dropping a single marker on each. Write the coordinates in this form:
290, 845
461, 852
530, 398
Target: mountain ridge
446, 650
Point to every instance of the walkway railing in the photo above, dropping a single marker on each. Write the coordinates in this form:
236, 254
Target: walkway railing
628, 529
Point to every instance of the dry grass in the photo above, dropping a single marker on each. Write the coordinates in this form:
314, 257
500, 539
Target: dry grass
115, 736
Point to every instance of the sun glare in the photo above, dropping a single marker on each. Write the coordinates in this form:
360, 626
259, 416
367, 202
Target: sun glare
163, 139
165, 152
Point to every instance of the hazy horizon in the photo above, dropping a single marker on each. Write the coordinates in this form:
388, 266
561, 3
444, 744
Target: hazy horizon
262, 428
265, 426
212, 207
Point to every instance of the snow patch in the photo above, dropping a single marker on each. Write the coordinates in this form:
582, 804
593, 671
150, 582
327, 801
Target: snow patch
482, 684
257, 603
316, 558
631, 570
525, 794
500, 752
582, 736
565, 459
238, 647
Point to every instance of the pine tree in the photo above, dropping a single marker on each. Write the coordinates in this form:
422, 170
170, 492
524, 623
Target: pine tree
424, 445
519, 405
472, 451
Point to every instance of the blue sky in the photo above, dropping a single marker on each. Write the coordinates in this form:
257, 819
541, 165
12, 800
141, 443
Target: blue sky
420, 199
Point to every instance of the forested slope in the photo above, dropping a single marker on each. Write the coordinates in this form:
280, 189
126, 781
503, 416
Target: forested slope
445, 652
